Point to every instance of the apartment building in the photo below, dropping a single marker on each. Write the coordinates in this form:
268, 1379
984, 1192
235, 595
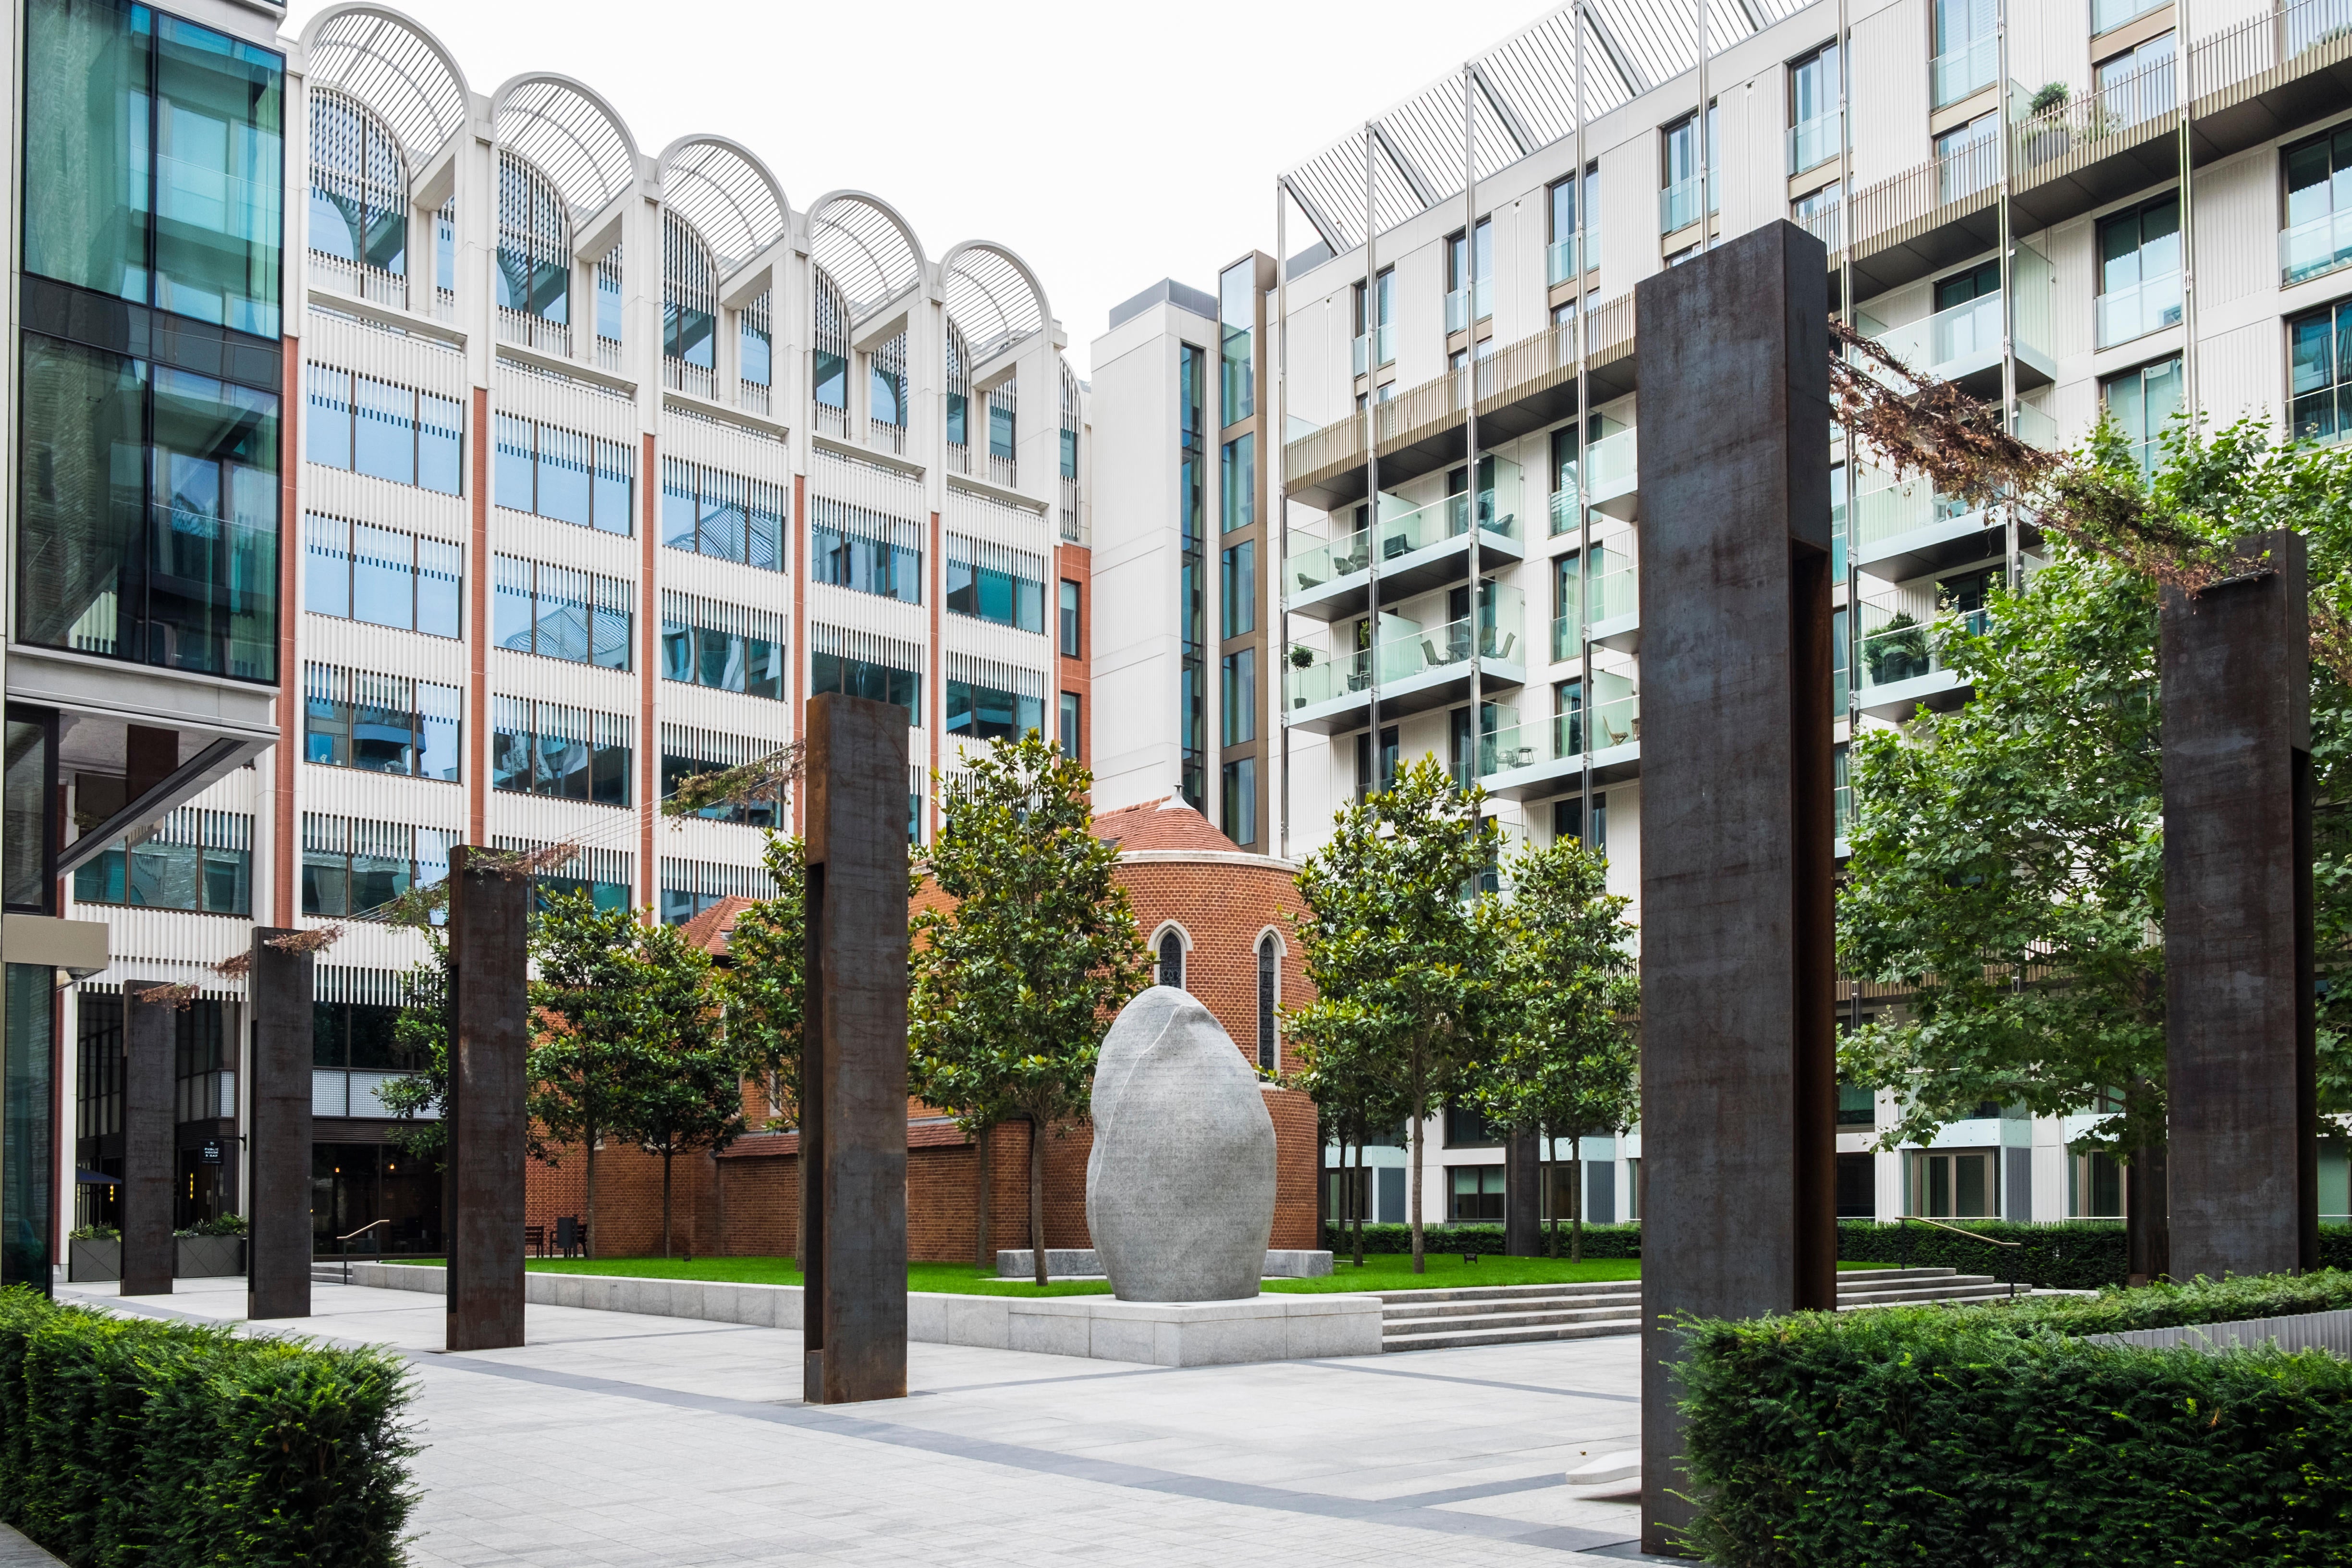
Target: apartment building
1452, 360
586, 462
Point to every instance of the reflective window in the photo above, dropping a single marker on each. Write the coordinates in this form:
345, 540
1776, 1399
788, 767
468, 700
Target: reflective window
194, 860
379, 723
1240, 800
358, 185
869, 552
690, 296
708, 512
534, 270
885, 402
2318, 177
724, 646
1070, 628
829, 356
979, 712
1240, 697
2143, 402
1073, 733
561, 612
568, 753
676, 770
358, 572
384, 429
1002, 423
993, 583
2319, 372
1237, 485
755, 349
609, 303
352, 866
958, 395
1237, 311
558, 473
871, 679
1237, 590
1191, 607
28, 812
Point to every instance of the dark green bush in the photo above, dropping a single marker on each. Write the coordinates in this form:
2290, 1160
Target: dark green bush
1599, 1240
1977, 1436
2082, 1256
129, 1441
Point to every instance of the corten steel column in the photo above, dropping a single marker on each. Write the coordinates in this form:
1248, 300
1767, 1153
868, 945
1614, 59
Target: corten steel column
2238, 989
1738, 1080
1522, 1184
482, 1178
151, 1036
278, 1251
853, 1075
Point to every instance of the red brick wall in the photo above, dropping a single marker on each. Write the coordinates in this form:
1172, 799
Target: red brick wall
1225, 907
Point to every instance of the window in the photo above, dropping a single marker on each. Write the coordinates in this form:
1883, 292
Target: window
1172, 958
147, 514
155, 162
1561, 259
1270, 984
2139, 270
1466, 1128
353, 865
1237, 318
1813, 123
1072, 647
358, 572
1472, 299
1237, 485
1239, 706
981, 710
1240, 801
379, 723
959, 393
1966, 50
1072, 734
568, 753
1842, 792
562, 474
561, 612
534, 270
358, 185
675, 770
385, 431
1968, 159
707, 642
689, 299
1002, 423
1960, 1186
1365, 782
708, 512
1478, 1193
1678, 196
2094, 1187
360, 1035
2143, 403
1858, 1107
1820, 213
2318, 175
29, 811
1191, 607
872, 678
1237, 590
1857, 1186
2136, 85
995, 583
829, 359
754, 345
609, 280
2319, 372
1386, 306
1567, 823
196, 860
851, 547
886, 401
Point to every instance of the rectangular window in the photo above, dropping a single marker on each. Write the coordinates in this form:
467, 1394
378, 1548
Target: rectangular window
384, 430
352, 866
1240, 697
608, 297
1072, 734
2136, 85
1561, 259
995, 583
1813, 124
561, 612
1967, 52
1240, 800
553, 472
1237, 482
566, 753
980, 712
2318, 176
356, 571
676, 770
1678, 196
708, 512
195, 861
755, 349
1968, 159
1237, 589
2143, 403
379, 723
1473, 300
148, 523
1001, 428
1478, 1193
2140, 271
154, 161
724, 646
870, 552
1191, 608
1237, 325
1072, 647
871, 679
2319, 372
1567, 824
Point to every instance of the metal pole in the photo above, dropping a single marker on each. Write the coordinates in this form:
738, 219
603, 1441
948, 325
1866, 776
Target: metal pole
1281, 448
1852, 316
1577, 315
2010, 568
1706, 207
1373, 455
2187, 59
1470, 397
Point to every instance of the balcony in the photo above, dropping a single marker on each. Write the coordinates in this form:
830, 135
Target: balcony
1965, 68
1538, 757
357, 279
1962, 343
1611, 468
2106, 15
1813, 142
1388, 347
1902, 529
527, 331
1678, 203
1902, 664
2135, 311
1424, 669
1566, 639
1420, 547
1464, 306
2315, 247
1559, 258
1324, 692
1612, 595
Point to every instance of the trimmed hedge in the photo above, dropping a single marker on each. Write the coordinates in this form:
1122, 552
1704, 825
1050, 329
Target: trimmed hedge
1599, 1240
1992, 1436
131, 1441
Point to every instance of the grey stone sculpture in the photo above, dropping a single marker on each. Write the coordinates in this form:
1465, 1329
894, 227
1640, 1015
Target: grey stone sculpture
1180, 1186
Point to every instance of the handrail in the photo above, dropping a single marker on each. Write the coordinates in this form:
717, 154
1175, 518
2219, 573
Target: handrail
347, 1241
1973, 1236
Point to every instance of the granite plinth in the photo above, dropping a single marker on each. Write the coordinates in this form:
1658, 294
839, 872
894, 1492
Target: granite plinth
1084, 1262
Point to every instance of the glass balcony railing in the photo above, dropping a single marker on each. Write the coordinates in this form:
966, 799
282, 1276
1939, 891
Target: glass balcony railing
1566, 639
1678, 203
1405, 656
1458, 305
1560, 257
1315, 676
1812, 143
2315, 246
1612, 466
2036, 428
1563, 506
1966, 336
2106, 15
1561, 738
1612, 588
1388, 348
1897, 646
1965, 68
2140, 309
1404, 528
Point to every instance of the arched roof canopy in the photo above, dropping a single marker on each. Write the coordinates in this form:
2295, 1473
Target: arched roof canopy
993, 296
566, 131
728, 196
392, 66
864, 247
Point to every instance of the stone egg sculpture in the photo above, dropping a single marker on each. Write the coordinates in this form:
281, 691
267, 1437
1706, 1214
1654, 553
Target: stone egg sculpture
1180, 1186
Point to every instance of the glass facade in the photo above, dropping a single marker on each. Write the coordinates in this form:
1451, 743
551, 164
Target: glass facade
28, 1127
381, 723
568, 753
561, 612
1237, 485
708, 512
869, 678
1237, 324
2319, 372
358, 572
1191, 600
1007, 595
387, 431
722, 660
977, 713
850, 547
26, 824
562, 474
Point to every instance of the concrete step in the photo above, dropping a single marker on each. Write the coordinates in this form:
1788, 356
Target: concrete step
1615, 1300
1514, 1293
1456, 1337
1515, 1317
1858, 1278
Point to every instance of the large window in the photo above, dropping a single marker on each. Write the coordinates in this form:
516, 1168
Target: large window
992, 702
829, 358
725, 646
1678, 195
387, 431
351, 864
1072, 647
2319, 372
2137, 84
678, 769
1470, 276
875, 676
2318, 175
147, 514
358, 572
1191, 600
690, 300
1967, 158
2143, 403
360, 1035
1561, 259
197, 860
2139, 270
1239, 785
996, 582
1237, 325
1813, 123
154, 161
1072, 733
1967, 49
561, 612
1239, 706
1237, 485
553, 472
708, 512
358, 185
885, 396
1383, 309
568, 753
379, 722
1237, 589
1478, 1193
869, 552
535, 271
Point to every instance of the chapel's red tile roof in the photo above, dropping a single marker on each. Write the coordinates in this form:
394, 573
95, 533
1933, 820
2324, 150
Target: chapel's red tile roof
1167, 824
708, 931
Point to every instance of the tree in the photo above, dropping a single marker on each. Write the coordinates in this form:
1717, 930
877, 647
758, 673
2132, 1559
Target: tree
1568, 1055
420, 1032
590, 1026
1343, 1072
1399, 944
762, 990
691, 1093
1015, 984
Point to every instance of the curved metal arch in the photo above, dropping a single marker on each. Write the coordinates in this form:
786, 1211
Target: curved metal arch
994, 294
393, 66
345, 170
728, 196
570, 133
862, 244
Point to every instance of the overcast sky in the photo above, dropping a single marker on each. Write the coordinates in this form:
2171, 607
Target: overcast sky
1109, 143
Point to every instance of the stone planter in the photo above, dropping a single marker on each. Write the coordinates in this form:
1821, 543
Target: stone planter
194, 1258
90, 1260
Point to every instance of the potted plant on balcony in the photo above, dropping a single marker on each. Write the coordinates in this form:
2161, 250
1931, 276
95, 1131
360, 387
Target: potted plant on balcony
2045, 133
1898, 650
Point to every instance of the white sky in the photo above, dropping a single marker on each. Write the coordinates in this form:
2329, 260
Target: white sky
1108, 142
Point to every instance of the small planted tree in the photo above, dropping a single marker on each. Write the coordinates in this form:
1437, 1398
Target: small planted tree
764, 990
420, 1032
1400, 946
1343, 1071
591, 1025
691, 1099
1016, 986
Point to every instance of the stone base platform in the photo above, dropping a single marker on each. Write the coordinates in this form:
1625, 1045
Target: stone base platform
1082, 1263
1180, 1333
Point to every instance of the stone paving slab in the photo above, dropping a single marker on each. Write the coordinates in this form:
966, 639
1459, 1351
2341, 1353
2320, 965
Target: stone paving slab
620, 1437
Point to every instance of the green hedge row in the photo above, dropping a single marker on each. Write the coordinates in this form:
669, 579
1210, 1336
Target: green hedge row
1599, 1240
1977, 1436
168, 1445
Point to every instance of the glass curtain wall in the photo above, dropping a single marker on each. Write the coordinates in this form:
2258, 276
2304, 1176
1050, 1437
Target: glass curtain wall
1237, 311
1192, 605
27, 1128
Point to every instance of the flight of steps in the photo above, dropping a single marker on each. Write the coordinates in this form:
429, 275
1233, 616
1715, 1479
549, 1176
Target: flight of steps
1522, 1314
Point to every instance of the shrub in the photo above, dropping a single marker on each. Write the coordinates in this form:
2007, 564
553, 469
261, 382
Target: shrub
1599, 1240
1984, 1435
2080, 1255
222, 1225
127, 1440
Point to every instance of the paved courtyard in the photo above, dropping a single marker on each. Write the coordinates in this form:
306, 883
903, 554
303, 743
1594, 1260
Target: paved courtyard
615, 1438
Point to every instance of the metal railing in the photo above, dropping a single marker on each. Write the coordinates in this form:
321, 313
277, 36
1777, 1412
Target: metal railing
345, 1243
372, 284
1965, 68
696, 380
2011, 1282
1812, 143
527, 331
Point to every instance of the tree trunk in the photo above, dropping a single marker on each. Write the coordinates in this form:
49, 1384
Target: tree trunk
1551, 1188
1576, 1200
1358, 1199
1038, 1197
588, 1245
1413, 1198
666, 1156
986, 1263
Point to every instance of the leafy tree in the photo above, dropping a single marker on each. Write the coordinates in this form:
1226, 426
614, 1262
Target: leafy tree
690, 1096
1347, 1079
595, 1013
762, 990
1569, 1053
1400, 946
420, 1034
1014, 986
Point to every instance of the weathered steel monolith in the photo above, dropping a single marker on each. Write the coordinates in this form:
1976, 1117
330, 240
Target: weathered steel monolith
150, 1040
1738, 1074
279, 1242
853, 1155
1522, 1189
2242, 1155
490, 909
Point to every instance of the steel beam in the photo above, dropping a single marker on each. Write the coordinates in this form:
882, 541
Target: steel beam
853, 1070
482, 1181
151, 1041
1738, 1074
2239, 999
278, 1213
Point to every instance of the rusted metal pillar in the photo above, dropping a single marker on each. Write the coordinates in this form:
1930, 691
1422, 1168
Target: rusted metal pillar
278, 1211
1738, 1077
490, 908
2242, 1148
853, 1069
151, 1038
